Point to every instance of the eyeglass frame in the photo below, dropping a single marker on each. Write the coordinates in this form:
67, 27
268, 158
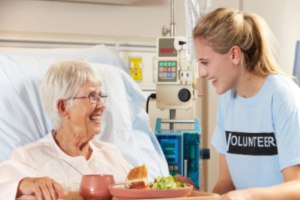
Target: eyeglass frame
100, 97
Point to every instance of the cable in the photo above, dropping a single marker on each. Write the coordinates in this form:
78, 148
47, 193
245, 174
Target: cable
151, 96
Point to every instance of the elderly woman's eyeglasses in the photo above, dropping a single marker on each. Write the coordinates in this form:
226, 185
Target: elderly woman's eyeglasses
94, 97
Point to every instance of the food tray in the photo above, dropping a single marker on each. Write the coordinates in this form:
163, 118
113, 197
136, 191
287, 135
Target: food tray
196, 195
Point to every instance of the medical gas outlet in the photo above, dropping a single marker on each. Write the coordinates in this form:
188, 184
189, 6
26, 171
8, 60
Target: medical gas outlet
136, 69
174, 87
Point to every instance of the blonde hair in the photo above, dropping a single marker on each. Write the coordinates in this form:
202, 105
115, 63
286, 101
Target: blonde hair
224, 28
63, 80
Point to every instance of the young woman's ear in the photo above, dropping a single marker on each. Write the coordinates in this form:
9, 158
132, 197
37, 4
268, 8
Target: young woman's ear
236, 55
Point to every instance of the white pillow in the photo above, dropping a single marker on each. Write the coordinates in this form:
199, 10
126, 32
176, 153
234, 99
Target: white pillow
21, 120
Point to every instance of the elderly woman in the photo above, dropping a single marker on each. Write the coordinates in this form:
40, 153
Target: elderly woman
71, 94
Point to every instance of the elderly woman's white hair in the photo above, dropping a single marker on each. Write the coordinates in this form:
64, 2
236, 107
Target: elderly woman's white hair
63, 81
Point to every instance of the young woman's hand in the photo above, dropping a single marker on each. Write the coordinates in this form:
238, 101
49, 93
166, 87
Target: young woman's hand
236, 195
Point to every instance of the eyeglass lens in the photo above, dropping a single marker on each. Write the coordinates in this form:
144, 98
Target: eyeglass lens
95, 97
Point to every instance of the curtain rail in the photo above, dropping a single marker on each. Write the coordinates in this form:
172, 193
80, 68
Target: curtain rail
35, 40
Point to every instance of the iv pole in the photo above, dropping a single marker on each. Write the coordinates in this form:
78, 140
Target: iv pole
172, 29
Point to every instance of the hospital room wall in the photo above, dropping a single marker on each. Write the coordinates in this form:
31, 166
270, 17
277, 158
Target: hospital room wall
143, 21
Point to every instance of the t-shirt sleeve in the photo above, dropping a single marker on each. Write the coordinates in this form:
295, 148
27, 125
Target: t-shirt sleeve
286, 115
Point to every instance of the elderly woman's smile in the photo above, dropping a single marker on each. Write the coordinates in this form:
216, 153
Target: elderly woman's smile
96, 118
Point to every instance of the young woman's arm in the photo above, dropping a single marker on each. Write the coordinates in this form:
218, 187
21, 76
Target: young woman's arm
224, 183
290, 189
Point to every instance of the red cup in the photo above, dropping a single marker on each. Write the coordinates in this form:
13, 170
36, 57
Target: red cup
96, 187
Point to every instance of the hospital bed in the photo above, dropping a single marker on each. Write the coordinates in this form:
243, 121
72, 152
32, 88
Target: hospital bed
124, 123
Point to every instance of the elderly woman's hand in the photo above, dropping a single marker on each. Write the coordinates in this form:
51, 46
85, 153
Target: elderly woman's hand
43, 188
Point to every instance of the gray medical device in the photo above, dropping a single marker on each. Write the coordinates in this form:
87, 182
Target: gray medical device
174, 87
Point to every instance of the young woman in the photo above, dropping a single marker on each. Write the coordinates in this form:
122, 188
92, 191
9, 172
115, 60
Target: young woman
257, 131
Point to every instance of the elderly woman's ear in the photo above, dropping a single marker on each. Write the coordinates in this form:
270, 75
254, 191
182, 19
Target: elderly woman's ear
61, 107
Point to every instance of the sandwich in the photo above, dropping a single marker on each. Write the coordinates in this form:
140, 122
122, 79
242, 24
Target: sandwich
137, 178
